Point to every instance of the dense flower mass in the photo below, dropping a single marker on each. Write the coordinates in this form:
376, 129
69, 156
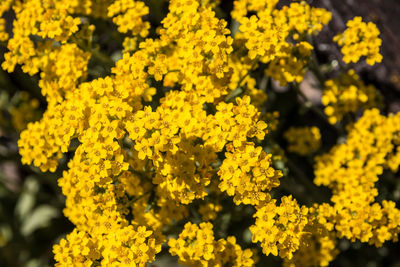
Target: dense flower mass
351, 170
345, 95
158, 143
280, 228
360, 39
196, 246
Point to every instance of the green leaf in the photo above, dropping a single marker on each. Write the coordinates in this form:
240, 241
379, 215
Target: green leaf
5, 234
247, 235
234, 27
35, 263
39, 218
27, 199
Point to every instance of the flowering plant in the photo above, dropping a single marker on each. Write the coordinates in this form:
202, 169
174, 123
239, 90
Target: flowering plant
172, 137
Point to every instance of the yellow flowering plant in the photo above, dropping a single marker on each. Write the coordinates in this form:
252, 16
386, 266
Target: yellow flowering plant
161, 124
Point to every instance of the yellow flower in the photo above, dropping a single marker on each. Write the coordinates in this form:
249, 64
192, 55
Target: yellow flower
358, 40
347, 94
303, 140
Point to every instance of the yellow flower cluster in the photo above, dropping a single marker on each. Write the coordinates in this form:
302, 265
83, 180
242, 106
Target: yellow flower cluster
358, 40
348, 94
266, 35
4, 7
124, 246
279, 229
60, 66
3, 33
303, 140
128, 14
43, 19
299, 17
194, 40
247, 172
196, 246
304, 19
177, 125
321, 246
128, 155
291, 65
351, 171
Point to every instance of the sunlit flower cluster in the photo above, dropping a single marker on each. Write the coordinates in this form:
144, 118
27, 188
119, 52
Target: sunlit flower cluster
196, 246
346, 94
176, 127
279, 229
351, 171
360, 39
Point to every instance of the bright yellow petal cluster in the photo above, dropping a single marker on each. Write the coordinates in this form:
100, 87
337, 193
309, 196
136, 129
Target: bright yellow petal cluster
291, 65
246, 173
128, 15
304, 19
351, 171
122, 246
175, 124
264, 34
61, 63
267, 32
319, 242
201, 46
127, 155
360, 39
348, 94
242, 7
196, 246
40, 18
4, 7
279, 229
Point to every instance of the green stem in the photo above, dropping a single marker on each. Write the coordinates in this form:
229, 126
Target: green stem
101, 57
170, 71
95, 52
299, 174
139, 197
313, 66
239, 89
248, 73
